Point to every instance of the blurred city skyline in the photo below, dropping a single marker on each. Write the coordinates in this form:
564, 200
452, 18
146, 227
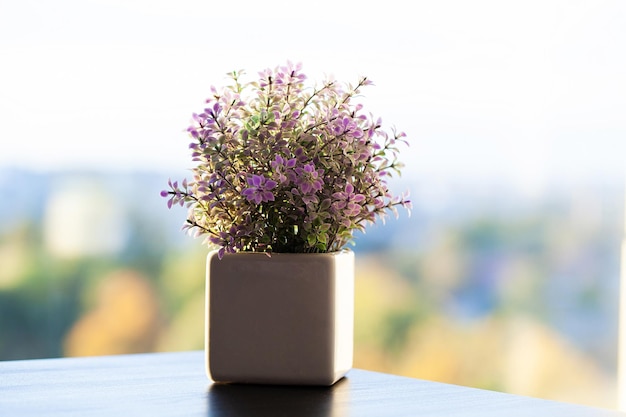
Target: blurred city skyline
95, 263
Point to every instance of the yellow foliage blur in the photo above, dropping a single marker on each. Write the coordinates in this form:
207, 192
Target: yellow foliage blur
125, 318
515, 354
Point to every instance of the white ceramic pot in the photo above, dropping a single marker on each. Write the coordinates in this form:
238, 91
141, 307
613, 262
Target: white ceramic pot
284, 319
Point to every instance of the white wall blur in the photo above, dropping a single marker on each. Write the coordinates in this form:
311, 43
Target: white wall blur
528, 92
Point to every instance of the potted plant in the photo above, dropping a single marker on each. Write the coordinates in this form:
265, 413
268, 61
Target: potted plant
284, 175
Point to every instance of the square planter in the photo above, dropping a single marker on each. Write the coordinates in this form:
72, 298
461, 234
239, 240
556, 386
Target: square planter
284, 319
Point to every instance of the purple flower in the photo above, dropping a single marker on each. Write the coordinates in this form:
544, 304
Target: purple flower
348, 202
281, 167
260, 189
346, 126
308, 179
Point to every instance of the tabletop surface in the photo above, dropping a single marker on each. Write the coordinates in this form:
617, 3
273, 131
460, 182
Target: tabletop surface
174, 384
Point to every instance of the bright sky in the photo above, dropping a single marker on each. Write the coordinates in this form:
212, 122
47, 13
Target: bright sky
525, 90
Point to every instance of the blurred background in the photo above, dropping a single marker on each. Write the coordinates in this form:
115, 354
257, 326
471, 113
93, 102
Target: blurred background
505, 276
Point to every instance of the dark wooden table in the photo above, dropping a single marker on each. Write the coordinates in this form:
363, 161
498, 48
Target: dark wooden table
174, 384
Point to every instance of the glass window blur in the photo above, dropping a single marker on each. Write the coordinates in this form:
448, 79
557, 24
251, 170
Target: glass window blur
506, 275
